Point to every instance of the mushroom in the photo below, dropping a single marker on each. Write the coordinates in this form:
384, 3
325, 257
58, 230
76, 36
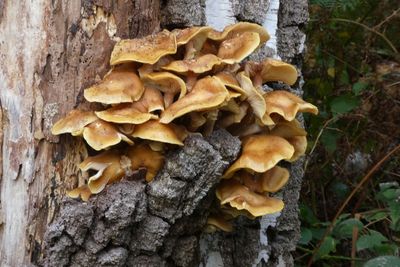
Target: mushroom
230, 81
108, 169
235, 117
196, 65
167, 83
238, 28
253, 96
144, 50
286, 105
217, 222
74, 122
269, 181
193, 38
208, 93
101, 134
237, 48
120, 85
156, 131
82, 191
125, 113
261, 153
241, 197
143, 156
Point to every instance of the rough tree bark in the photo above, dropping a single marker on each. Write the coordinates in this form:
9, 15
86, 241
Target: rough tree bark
49, 52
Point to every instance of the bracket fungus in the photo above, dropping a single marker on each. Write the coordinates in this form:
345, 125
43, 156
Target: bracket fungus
168, 85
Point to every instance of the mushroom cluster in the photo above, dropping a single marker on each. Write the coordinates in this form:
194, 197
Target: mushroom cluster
166, 86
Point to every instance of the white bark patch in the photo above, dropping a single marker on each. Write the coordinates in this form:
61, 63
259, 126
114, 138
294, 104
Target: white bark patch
219, 13
271, 24
90, 24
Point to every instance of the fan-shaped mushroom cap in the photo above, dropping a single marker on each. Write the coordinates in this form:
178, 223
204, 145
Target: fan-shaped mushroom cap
238, 28
120, 85
83, 192
230, 81
241, 197
269, 181
235, 117
286, 105
183, 36
276, 70
167, 83
144, 50
197, 65
156, 131
254, 97
74, 122
236, 49
206, 94
108, 167
143, 156
215, 223
101, 134
125, 113
261, 153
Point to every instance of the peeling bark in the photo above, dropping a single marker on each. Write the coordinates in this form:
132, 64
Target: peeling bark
50, 51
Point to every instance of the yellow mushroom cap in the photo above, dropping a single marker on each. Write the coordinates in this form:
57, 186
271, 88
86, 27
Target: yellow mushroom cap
156, 131
100, 135
121, 85
206, 94
143, 156
125, 113
215, 222
83, 192
261, 153
196, 65
241, 197
238, 28
230, 81
74, 122
183, 36
276, 70
236, 49
286, 105
108, 167
254, 97
269, 181
144, 50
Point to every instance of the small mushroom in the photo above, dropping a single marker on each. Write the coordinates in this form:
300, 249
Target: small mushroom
120, 85
235, 117
193, 38
144, 50
101, 134
286, 105
208, 93
82, 191
230, 81
238, 28
242, 198
142, 156
196, 65
269, 181
261, 153
74, 122
217, 222
156, 131
125, 113
108, 169
167, 83
237, 48
253, 96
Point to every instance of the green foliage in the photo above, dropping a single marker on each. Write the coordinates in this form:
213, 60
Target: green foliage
383, 261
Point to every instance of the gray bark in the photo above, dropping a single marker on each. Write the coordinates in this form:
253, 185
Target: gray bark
48, 58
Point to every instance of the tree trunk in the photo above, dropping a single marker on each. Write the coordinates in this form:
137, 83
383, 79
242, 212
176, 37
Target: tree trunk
50, 51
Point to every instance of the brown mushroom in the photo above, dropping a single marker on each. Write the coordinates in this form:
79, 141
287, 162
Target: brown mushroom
229, 80
82, 191
101, 134
125, 113
269, 181
142, 156
237, 48
74, 122
261, 153
120, 85
238, 28
253, 96
108, 167
241, 197
144, 50
197, 65
207, 94
156, 131
193, 38
235, 117
286, 105
217, 222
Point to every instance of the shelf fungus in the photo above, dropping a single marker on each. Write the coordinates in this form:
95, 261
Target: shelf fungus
163, 87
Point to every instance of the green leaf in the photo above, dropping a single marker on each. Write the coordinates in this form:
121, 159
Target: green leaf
344, 103
383, 261
328, 246
329, 140
371, 240
358, 87
376, 216
306, 236
307, 215
394, 208
345, 228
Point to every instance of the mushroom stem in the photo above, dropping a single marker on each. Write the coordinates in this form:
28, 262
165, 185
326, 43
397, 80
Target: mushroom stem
191, 80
